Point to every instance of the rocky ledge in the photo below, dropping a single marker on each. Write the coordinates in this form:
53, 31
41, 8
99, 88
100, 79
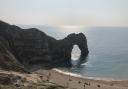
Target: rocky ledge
20, 48
16, 80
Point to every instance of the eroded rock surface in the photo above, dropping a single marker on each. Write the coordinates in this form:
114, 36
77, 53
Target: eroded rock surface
25, 47
16, 80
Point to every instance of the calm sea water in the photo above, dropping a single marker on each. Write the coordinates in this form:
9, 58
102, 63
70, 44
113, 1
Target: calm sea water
108, 47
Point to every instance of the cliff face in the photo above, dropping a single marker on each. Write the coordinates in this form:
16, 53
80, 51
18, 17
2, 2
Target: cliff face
30, 46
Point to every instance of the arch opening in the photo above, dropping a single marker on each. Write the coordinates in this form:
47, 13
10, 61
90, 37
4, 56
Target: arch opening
75, 55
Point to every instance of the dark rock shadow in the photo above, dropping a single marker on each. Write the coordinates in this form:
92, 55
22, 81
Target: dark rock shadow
34, 49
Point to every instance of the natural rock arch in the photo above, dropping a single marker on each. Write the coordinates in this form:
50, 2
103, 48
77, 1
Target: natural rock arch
32, 46
68, 43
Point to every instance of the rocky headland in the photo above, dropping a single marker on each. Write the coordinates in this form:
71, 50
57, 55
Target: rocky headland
23, 48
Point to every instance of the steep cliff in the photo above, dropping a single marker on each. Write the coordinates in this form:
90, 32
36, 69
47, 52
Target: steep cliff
26, 47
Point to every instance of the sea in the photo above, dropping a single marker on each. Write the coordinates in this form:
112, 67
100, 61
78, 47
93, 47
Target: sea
108, 50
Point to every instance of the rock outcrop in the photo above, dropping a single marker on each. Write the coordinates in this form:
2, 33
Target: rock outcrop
15, 80
25, 47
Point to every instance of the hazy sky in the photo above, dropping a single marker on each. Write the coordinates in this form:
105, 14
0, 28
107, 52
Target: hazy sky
65, 12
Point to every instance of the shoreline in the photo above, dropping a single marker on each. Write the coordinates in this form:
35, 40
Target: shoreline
43, 78
78, 82
88, 77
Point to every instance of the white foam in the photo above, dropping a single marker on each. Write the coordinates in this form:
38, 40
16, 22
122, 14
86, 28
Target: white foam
80, 76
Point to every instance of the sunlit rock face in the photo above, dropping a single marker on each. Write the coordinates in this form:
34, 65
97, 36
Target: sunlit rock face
32, 46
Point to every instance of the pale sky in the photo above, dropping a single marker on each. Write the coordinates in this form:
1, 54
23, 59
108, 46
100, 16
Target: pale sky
65, 12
